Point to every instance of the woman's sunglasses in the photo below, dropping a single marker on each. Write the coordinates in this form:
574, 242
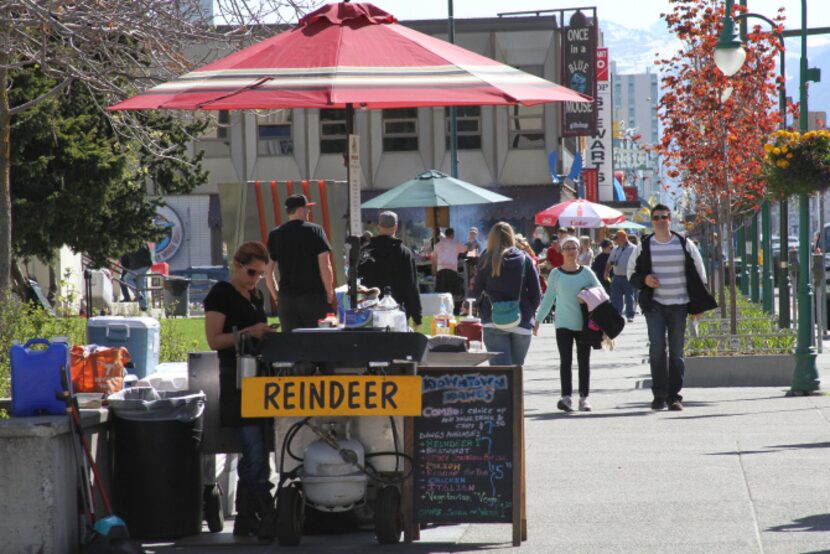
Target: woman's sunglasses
254, 272
659, 217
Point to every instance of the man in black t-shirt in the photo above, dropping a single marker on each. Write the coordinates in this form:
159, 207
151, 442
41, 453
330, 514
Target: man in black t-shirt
299, 251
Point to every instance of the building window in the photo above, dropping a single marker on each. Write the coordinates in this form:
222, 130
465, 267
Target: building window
527, 127
467, 126
400, 130
332, 131
218, 126
526, 124
274, 134
223, 124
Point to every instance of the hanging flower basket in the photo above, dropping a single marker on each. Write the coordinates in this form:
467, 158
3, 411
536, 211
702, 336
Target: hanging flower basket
797, 163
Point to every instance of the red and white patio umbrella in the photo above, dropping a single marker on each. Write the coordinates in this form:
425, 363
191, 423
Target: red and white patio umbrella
350, 54
579, 213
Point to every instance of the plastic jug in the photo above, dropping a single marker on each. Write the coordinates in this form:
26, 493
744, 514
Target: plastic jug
388, 315
39, 376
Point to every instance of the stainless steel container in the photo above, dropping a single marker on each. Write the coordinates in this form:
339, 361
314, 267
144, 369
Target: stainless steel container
245, 367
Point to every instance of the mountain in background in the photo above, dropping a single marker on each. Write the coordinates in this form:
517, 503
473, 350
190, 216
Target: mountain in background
634, 51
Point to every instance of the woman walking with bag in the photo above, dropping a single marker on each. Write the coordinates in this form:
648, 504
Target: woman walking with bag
507, 285
564, 284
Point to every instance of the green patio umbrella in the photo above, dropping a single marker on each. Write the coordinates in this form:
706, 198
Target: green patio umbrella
433, 189
626, 224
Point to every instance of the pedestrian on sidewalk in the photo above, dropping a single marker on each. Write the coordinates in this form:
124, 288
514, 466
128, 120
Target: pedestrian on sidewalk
586, 255
622, 293
669, 272
564, 284
506, 274
598, 266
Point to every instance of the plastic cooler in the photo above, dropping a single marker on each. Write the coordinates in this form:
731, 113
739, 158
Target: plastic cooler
141, 336
36, 377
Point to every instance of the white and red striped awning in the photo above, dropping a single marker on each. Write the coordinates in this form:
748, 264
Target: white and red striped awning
350, 53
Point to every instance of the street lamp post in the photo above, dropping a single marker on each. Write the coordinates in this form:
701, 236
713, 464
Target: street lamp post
729, 57
766, 225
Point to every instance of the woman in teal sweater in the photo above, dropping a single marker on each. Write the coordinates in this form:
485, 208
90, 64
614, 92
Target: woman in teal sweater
564, 283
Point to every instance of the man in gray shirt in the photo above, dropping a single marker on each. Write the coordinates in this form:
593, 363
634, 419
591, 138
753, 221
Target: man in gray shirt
621, 290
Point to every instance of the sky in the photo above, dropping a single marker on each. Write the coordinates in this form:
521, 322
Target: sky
629, 13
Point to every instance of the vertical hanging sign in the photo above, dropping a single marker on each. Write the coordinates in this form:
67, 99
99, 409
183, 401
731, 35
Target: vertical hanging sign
599, 153
579, 52
355, 225
589, 179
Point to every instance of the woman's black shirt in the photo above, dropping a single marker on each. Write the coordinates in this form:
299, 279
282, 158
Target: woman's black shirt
240, 312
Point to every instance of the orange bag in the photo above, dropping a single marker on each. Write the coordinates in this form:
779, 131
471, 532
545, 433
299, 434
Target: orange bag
98, 369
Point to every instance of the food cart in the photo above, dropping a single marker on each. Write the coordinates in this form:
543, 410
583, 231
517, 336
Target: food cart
338, 398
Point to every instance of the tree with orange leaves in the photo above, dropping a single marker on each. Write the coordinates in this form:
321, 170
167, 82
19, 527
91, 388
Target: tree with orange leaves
715, 127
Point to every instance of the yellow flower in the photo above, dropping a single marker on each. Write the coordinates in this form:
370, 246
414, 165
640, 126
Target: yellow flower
783, 164
768, 147
776, 150
790, 156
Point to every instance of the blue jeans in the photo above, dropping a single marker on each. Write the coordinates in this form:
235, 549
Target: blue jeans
621, 290
137, 279
253, 468
666, 378
513, 347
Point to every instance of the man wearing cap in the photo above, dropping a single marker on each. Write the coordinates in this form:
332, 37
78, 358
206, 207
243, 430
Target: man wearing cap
299, 251
386, 262
472, 244
621, 289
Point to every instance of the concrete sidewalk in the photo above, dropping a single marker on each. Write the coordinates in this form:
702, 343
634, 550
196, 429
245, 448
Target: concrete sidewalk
739, 470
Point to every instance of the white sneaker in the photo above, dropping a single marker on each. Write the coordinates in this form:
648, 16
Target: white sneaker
584, 405
565, 404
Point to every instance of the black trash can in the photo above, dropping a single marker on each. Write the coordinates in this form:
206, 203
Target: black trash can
157, 461
176, 296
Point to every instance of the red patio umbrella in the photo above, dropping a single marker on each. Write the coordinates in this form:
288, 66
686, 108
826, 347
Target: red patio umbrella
579, 213
350, 53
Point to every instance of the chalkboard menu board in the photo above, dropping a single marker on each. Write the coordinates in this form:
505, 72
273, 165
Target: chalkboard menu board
467, 446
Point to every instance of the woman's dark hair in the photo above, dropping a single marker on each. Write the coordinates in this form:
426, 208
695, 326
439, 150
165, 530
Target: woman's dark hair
250, 251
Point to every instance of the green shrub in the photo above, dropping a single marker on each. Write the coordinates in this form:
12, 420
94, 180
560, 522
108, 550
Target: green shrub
758, 333
174, 343
21, 321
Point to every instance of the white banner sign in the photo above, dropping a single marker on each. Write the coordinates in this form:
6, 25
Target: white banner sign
599, 145
355, 224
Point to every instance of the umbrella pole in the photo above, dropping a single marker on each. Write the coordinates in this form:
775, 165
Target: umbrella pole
352, 240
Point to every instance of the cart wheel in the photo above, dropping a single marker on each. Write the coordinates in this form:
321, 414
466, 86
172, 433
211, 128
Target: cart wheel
214, 515
290, 508
388, 516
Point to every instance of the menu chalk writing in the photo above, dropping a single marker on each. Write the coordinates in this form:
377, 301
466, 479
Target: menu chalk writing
464, 446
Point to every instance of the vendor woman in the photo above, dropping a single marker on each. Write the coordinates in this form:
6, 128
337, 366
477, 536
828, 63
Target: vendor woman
238, 305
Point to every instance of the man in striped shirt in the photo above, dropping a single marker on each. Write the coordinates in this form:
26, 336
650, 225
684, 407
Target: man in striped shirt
659, 268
